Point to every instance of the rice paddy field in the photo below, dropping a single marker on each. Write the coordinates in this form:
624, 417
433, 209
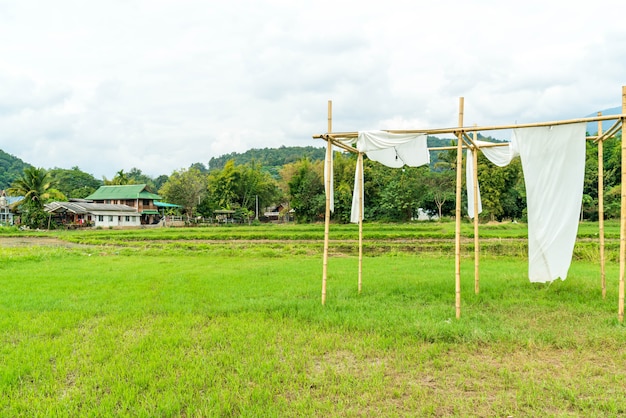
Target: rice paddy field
228, 321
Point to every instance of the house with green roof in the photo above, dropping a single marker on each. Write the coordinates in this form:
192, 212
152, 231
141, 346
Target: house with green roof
80, 213
134, 195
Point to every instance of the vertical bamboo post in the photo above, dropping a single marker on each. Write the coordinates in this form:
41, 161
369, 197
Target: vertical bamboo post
457, 232
360, 171
476, 240
601, 206
329, 161
622, 238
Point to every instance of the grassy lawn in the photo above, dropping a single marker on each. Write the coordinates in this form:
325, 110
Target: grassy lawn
228, 322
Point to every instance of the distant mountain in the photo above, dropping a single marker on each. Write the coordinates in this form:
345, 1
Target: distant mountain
272, 159
11, 168
592, 127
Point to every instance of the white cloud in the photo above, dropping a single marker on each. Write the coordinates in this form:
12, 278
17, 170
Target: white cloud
159, 85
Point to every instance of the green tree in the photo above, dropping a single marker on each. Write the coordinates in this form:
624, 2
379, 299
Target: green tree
238, 187
160, 181
344, 168
402, 194
612, 160
200, 167
252, 183
136, 176
502, 189
37, 187
271, 159
440, 191
186, 188
222, 186
306, 190
613, 202
11, 168
121, 178
74, 183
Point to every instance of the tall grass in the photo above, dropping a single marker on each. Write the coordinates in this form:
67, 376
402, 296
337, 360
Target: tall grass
176, 327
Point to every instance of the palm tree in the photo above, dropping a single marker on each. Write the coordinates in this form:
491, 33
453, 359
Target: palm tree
120, 178
37, 187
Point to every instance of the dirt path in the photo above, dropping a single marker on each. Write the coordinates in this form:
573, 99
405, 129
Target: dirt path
35, 241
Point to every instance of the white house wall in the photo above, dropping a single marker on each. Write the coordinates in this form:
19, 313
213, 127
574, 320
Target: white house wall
107, 220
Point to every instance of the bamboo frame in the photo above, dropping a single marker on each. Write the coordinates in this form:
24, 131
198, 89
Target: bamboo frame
475, 128
601, 205
622, 239
329, 162
457, 216
460, 133
360, 186
476, 239
617, 126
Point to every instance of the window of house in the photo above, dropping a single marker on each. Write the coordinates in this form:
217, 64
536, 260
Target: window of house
128, 219
110, 218
100, 218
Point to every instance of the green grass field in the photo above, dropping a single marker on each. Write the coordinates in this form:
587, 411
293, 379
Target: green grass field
228, 322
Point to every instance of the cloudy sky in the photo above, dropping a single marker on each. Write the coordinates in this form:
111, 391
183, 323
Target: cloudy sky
161, 84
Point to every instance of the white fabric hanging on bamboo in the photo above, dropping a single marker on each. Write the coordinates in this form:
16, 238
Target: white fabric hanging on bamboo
357, 195
329, 183
469, 185
394, 150
500, 156
553, 160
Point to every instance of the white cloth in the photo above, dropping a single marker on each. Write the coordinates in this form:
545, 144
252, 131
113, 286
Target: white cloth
500, 156
357, 195
553, 160
394, 150
329, 185
469, 185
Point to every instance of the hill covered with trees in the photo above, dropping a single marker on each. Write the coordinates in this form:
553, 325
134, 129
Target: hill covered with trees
11, 168
292, 178
271, 159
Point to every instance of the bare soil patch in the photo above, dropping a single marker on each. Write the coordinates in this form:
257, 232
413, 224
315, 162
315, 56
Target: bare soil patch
35, 241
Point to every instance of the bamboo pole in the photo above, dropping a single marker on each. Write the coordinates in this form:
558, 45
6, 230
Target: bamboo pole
457, 231
476, 241
601, 205
469, 141
360, 171
448, 148
337, 143
622, 239
609, 133
457, 129
329, 161
493, 145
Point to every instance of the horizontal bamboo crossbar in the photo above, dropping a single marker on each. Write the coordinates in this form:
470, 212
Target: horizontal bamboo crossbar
454, 147
456, 130
610, 132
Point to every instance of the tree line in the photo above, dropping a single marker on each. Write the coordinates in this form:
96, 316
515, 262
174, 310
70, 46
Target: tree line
391, 195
